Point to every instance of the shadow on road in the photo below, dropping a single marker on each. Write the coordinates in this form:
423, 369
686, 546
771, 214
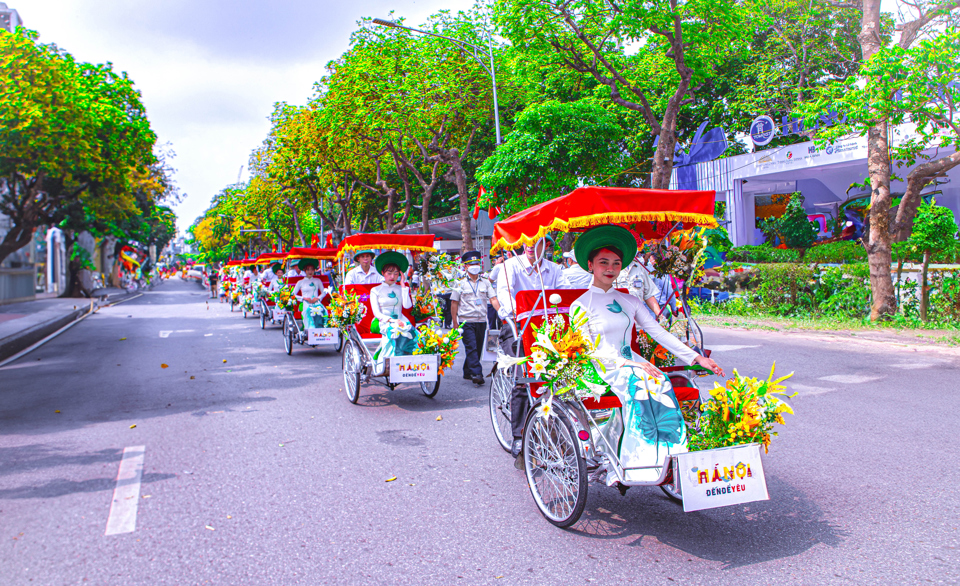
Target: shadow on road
62, 487
785, 526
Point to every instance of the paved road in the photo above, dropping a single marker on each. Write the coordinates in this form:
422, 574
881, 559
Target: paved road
256, 470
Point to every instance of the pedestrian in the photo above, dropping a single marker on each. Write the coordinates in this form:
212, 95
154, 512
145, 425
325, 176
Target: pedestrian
578, 278
469, 298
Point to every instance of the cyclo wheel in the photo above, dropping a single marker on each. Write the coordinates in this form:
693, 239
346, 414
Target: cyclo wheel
352, 362
501, 388
556, 471
263, 321
341, 342
287, 335
431, 389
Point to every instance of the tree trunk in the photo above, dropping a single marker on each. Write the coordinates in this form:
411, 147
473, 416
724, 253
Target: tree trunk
924, 288
460, 179
920, 177
18, 237
425, 210
878, 166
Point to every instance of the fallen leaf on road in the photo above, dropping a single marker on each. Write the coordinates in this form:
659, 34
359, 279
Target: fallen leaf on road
146, 496
122, 339
281, 445
57, 411
210, 528
224, 360
132, 426
439, 417
229, 516
164, 366
391, 479
192, 377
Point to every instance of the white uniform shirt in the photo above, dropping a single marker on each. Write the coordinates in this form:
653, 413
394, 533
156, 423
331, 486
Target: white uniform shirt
356, 276
294, 272
637, 278
518, 275
577, 277
473, 297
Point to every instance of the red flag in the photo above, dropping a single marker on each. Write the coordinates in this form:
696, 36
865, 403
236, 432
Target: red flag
494, 211
315, 241
330, 240
476, 208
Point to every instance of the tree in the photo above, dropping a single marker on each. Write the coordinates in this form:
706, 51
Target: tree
553, 148
72, 135
897, 84
795, 230
678, 46
935, 229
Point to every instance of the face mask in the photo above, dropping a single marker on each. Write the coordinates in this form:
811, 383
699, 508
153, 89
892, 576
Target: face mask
474, 270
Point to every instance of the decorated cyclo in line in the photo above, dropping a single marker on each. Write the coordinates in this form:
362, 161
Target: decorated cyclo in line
599, 411
304, 298
269, 312
384, 344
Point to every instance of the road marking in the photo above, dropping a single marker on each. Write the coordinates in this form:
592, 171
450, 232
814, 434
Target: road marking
123, 510
850, 379
729, 348
165, 333
184, 331
917, 365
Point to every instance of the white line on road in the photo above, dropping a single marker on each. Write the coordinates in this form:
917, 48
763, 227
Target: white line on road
804, 390
165, 333
850, 379
729, 348
123, 510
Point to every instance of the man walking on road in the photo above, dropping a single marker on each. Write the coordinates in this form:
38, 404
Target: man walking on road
469, 298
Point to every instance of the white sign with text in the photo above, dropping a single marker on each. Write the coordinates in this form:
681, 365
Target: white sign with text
414, 369
323, 337
721, 477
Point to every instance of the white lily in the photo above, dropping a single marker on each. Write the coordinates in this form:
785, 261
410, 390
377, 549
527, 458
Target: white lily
504, 361
545, 343
545, 410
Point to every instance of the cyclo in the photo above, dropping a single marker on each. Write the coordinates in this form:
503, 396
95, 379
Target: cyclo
359, 365
269, 313
565, 450
230, 285
248, 289
293, 326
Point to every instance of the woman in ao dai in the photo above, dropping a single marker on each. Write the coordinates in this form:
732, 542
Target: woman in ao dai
309, 290
388, 300
649, 425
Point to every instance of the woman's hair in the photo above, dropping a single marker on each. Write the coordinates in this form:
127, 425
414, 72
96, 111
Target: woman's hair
593, 253
387, 267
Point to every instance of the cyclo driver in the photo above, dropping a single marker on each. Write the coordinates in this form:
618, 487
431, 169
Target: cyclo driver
522, 273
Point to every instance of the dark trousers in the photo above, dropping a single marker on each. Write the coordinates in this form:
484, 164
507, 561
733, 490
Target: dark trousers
445, 309
519, 401
493, 320
473, 343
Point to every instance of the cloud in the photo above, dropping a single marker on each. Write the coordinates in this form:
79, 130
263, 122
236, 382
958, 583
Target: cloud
210, 71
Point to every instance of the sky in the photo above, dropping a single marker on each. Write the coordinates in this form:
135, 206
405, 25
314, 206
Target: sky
210, 71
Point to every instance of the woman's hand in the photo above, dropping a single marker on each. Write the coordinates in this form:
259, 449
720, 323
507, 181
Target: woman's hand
709, 365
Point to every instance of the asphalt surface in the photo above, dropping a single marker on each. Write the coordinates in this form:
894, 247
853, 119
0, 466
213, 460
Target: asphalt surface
257, 470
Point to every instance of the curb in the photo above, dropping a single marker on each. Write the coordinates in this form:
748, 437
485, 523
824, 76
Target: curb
26, 338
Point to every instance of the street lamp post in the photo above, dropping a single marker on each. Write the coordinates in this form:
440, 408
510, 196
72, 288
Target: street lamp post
469, 48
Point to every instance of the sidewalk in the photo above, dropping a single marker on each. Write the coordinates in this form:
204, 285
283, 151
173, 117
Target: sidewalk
26, 323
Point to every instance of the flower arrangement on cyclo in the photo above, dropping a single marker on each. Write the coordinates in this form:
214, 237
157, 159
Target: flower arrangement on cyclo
564, 356
741, 412
246, 301
424, 305
283, 298
439, 268
433, 341
345, 311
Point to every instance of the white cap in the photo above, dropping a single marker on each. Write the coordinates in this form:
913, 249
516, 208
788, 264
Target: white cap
569, 255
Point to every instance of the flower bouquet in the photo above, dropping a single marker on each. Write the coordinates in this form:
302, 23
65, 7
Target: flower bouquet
433, 341
424, 305
235, 294
564, 356
246, 302
741, 412
345, 311
439, 268
283, 298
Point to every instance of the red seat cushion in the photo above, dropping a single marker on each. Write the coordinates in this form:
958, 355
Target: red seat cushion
686, 393
604, 402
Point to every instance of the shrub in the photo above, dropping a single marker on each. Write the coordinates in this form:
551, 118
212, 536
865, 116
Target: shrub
844, 291
783, 287
843, 252
763, 253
